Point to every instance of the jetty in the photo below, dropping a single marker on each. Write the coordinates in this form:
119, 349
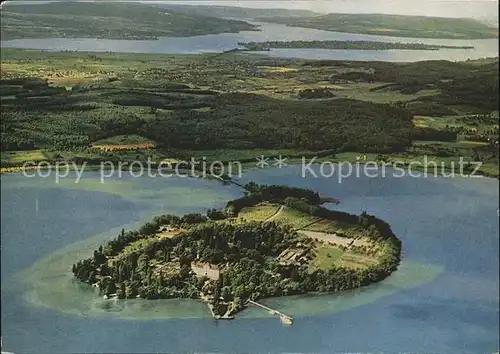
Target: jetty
285, 319
229, 180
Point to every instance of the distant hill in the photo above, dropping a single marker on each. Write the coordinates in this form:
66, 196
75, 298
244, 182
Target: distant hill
238, 12
393, 25
108, 20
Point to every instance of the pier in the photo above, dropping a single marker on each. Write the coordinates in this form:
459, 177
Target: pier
285, 319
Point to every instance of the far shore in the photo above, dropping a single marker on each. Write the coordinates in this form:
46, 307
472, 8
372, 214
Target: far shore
245, 167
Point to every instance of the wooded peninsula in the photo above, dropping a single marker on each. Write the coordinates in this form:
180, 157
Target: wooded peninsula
355, 45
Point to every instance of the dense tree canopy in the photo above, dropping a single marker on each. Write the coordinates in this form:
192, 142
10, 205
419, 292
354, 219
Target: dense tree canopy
73, 119
247, 254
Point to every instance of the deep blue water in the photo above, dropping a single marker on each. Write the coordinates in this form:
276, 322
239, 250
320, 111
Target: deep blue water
451, 223
77, 217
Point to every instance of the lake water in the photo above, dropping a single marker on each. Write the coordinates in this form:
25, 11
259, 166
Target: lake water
270, 32
444, 297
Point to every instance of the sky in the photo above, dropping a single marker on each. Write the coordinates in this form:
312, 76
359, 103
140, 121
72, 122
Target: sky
483, 9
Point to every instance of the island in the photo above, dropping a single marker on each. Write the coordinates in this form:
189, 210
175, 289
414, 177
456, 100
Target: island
393, 25
108, 20
354, 45
274, 241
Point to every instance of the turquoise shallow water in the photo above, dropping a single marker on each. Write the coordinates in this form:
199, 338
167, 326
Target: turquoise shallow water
444, 298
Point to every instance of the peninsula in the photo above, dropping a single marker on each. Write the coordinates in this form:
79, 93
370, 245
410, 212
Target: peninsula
273, 241
393, 25
355, 45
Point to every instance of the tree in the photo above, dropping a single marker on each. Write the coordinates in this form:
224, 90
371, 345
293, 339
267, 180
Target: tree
122, 293
131, 291
110, 288
148, 228
226, 293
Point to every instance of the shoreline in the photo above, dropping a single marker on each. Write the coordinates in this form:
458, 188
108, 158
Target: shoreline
246, 167
84, 249
342, 45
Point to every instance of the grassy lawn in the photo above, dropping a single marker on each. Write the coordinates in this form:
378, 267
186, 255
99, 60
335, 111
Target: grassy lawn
295, 218
355, 260
326, 257
258, 212
330, 226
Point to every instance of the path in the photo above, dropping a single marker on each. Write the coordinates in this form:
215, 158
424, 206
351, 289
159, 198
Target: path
276, 214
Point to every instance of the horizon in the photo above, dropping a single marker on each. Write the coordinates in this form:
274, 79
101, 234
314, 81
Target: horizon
484, 9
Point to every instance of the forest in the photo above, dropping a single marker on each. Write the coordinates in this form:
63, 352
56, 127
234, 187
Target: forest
73, 119
246, 253
108, 20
